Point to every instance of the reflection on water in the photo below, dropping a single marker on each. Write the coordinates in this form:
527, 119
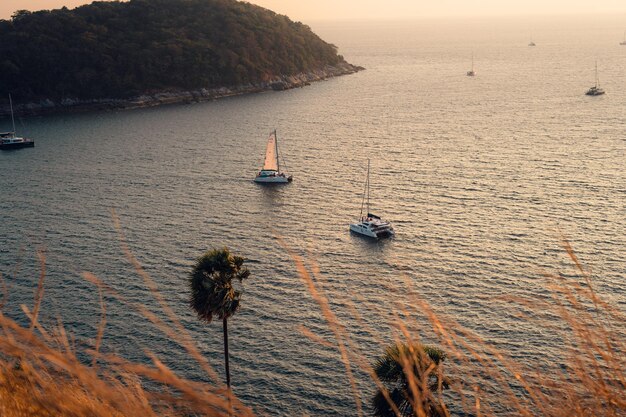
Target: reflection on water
477, 177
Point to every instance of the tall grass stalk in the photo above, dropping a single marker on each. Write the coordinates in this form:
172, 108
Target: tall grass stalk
488, 381
41, 373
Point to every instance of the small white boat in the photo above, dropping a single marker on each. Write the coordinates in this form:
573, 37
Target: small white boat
595, 90
10, 140
271, 173
371, 225
471, 72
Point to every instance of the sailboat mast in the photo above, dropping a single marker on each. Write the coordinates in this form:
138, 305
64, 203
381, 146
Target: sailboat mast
366, 192
12, 117
276, 143
597, 80
368, 187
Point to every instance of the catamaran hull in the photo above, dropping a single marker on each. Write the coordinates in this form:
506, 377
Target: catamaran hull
364, 231
273, 180
19, 145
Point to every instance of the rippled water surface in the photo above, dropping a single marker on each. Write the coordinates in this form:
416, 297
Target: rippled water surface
479, 176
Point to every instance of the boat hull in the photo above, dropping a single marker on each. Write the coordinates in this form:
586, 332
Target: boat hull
365, 231
18, 145
273, 180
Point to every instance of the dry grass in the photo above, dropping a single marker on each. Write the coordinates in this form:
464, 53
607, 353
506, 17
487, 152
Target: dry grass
591, 383
41, 374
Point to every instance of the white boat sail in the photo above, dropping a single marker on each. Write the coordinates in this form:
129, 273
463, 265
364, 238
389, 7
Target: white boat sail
271, 173
371, 225
10, 140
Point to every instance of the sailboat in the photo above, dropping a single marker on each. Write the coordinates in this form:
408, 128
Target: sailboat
9, 140
270, 173
623, 43
471, 72
532, 43
371, 225
595, 90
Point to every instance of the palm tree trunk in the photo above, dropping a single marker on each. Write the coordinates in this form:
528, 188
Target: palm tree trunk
225, 326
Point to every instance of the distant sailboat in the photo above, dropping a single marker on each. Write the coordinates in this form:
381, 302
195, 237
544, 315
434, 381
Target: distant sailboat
471, 72
10, 140
371, 225
623, 43
270, 173
532, 43
595, 90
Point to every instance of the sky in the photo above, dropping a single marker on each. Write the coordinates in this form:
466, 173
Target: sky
306, 10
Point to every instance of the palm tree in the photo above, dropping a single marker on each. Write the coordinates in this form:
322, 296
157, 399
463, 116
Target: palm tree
212, 291
412, 376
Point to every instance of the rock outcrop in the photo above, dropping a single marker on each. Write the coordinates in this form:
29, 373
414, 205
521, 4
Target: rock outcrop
152, 99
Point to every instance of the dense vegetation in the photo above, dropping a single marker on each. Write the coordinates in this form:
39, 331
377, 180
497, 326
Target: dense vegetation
122, 49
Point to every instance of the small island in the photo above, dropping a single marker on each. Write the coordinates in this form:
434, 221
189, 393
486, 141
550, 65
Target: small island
141, 53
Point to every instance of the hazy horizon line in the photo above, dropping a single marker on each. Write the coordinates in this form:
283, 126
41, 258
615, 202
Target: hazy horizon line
614, 14
466, 17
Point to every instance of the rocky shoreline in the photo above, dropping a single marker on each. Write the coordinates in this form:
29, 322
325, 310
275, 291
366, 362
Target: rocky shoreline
281, 83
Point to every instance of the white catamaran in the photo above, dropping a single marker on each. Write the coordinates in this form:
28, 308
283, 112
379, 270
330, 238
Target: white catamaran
371, 225
270, 173
9, 140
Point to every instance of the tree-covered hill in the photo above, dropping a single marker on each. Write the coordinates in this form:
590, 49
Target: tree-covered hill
125, 49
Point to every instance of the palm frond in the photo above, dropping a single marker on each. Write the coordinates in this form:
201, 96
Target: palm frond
210, 281
402, 365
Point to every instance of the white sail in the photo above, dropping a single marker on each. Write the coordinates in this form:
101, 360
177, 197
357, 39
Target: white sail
271, 157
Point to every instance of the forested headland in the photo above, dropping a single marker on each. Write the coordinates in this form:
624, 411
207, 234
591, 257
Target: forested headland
110, 52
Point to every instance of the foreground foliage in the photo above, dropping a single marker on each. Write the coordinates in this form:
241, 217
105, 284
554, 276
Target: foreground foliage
41, 373
212, 283
413, 380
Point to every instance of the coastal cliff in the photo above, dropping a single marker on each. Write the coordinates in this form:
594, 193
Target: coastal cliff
157, 98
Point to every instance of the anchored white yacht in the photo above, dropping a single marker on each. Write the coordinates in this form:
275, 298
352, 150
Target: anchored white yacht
595, 90
371, 225
271, 173
10, 140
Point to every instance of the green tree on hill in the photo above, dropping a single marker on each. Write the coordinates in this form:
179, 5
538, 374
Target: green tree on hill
121, 49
